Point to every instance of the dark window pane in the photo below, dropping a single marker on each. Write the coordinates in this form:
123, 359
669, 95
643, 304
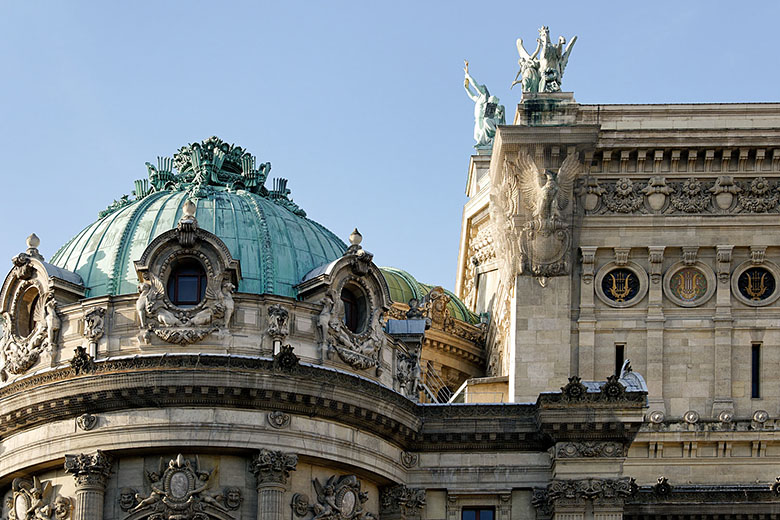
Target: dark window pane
469, 515
188, 289
486, 514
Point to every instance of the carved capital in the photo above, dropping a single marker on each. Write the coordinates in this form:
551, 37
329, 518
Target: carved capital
273, 467
621, 255
90, 471
656, 259
723, 256
757, 254
588, 261
401, 502
689, 254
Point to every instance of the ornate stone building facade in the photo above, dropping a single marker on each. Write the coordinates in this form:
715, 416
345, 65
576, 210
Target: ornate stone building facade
206, 351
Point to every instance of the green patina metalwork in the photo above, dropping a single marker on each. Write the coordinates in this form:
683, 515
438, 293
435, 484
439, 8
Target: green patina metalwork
403, 287
264, 229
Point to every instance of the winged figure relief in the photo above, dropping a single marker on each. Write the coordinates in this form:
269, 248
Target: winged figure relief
544, 193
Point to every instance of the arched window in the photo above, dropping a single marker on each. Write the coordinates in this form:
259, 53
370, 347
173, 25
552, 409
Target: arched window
25, 320
354, 309
187, 283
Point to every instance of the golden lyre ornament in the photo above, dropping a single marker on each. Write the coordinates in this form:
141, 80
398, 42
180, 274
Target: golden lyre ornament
620, 287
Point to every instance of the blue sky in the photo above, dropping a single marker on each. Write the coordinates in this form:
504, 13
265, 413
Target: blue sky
359, 104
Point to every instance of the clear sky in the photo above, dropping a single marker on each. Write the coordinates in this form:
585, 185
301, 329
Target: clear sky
359, 104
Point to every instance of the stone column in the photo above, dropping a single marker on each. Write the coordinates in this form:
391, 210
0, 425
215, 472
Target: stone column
655, 331
587, 321
723, 333
272, 470
91, 473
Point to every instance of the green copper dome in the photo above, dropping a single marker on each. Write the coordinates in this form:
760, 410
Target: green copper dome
271, 237
403, 287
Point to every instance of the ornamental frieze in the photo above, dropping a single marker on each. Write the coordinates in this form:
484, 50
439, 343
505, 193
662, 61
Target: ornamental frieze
662, 195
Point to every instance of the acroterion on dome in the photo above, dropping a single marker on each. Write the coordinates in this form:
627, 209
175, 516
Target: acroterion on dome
264, 229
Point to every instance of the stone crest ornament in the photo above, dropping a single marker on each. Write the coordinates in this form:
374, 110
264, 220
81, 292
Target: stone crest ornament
178, 491
543, 70
285, 359
613, 389
187, 280
691, 417
574, 389
86, 421
691, 197
340, 498
31, 499
656, 192
488, 113
546, 240
409, 459
279, 420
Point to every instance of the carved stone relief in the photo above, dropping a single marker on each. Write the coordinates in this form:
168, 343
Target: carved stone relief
719, 195
31, 499
94, 326
21, 348
339, 498
179, 491
278, 323
401, 501
279, 420
86, 421
182, 325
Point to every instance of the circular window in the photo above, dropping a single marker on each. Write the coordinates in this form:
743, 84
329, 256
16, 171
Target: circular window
355, 308
621, 285
187, 283
755, 285
28, 312
689, 285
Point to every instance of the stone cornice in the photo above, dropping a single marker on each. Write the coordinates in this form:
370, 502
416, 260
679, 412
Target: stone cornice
191, 380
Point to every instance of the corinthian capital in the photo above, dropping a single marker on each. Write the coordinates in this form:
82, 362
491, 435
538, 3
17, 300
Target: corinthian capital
273, 467
89, 470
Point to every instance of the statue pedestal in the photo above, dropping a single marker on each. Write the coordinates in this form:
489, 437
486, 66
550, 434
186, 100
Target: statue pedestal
546, 109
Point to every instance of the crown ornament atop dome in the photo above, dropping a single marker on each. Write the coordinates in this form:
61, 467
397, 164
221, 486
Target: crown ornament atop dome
205, 167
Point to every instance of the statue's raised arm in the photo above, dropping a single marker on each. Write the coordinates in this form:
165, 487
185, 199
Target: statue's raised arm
488, 114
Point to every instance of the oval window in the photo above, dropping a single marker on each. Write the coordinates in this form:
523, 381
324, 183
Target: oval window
28, 313
355, 309
187, 283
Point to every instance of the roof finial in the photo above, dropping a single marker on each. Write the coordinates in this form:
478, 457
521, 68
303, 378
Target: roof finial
355, 238
189, 209
33, 241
